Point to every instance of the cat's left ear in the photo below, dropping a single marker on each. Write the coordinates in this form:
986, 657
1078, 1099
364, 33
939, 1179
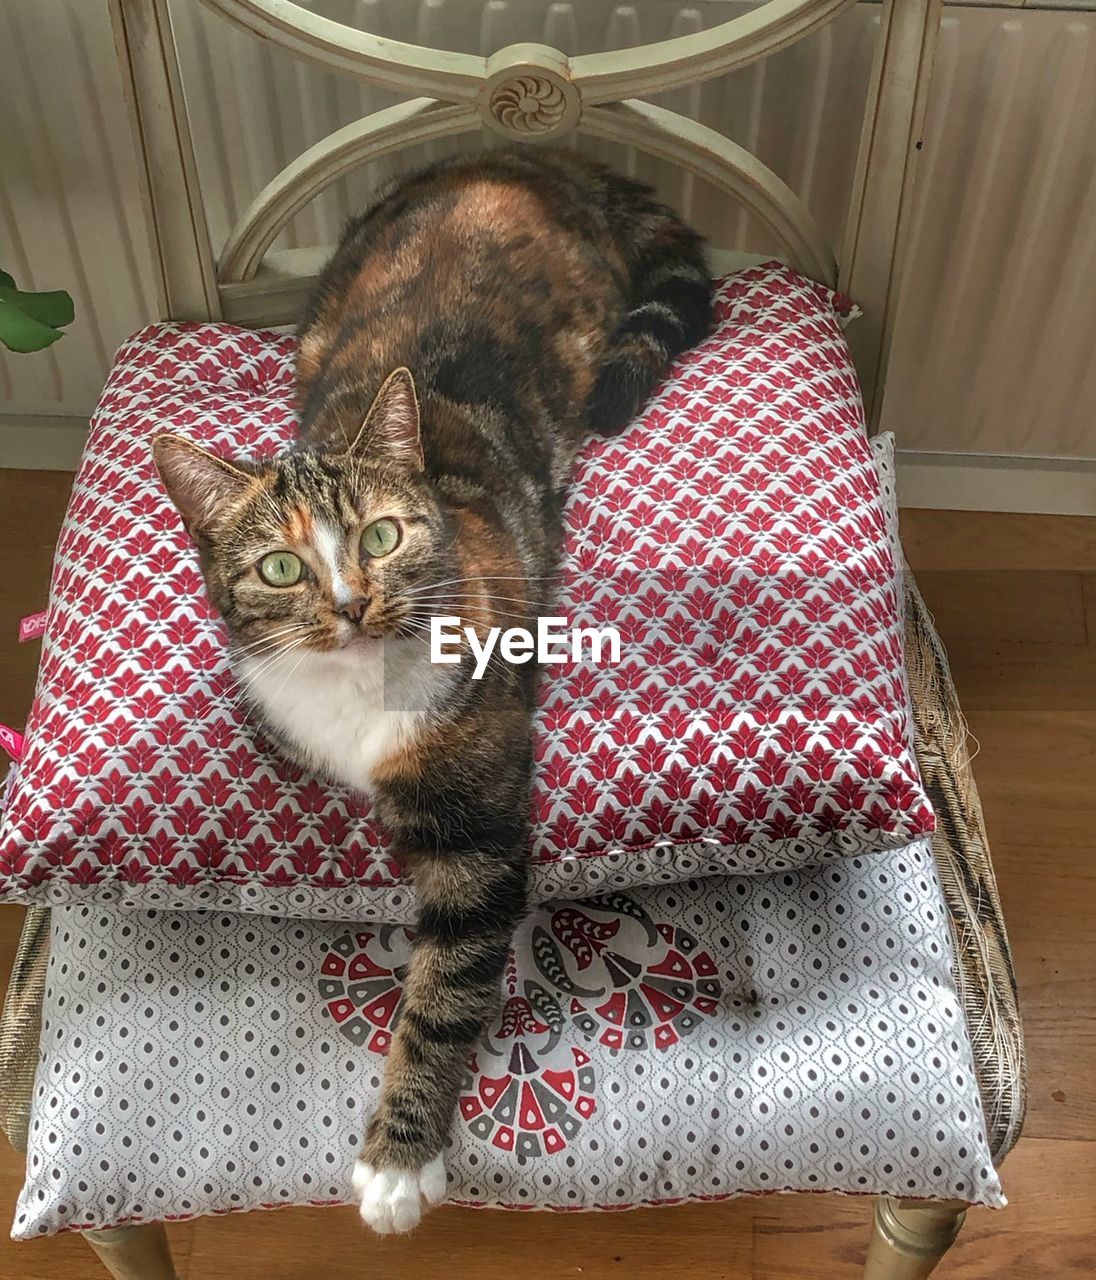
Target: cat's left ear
392, 424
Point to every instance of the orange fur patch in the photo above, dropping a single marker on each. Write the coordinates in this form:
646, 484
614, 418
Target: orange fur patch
310, 354
501, 204
299, 526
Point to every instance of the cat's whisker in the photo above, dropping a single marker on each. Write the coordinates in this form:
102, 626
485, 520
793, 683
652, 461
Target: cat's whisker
495, 661
483, 614
268, 661
495, 577
250, 677
264, 641
482, 577
289, 626
489, 611
268, 657
478, 623
443, 593
410, 633
489, 598
289, 676
269, 635
277, 646
421, 627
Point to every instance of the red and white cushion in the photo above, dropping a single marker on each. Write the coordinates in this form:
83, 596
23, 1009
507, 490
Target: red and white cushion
734, 535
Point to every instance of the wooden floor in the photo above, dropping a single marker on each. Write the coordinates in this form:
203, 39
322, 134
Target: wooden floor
1015, 600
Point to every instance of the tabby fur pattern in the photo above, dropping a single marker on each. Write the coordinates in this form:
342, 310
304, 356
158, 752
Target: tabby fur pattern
474, 325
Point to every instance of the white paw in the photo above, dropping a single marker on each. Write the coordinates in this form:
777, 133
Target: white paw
391, 1199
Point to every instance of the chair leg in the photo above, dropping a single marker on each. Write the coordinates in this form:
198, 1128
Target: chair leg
139, 1252
909, 1238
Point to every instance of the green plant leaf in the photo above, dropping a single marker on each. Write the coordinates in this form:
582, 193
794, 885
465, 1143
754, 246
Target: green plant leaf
54, 308
21, 332
31, 321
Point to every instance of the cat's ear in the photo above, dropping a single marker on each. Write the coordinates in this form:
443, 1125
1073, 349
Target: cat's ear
198, 482
392, 424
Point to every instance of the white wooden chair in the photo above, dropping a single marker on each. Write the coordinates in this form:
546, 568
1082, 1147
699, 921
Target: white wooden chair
530, 93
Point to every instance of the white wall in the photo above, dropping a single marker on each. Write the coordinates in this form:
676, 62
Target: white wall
995, 350
71, 214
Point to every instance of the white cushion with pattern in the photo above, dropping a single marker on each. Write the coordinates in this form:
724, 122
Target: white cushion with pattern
799, 1031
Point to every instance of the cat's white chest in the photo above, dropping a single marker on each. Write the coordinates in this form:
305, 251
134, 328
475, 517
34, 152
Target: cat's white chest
345, 710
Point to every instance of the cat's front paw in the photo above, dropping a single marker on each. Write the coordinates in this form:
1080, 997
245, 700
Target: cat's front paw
391, 1200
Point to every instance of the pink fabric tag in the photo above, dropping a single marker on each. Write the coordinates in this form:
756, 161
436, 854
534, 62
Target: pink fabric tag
32, 626
12, 741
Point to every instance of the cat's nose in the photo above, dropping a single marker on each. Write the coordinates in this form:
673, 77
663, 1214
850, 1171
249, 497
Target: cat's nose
355, 609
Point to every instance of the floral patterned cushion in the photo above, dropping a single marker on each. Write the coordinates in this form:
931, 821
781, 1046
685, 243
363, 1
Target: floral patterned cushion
734, 536
799, 1031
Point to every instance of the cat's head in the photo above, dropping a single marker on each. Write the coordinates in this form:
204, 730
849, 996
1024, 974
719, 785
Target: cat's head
315, 550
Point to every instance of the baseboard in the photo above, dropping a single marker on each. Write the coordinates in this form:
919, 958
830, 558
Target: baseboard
42, 443
996, 482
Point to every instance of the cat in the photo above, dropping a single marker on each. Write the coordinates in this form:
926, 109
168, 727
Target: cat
473, 326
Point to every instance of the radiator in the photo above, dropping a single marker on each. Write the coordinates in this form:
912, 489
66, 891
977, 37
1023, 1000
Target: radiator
995, 347
995, 350
252, 108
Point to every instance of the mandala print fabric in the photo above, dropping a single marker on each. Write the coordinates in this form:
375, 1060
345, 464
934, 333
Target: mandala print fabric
734, 1034
734, 536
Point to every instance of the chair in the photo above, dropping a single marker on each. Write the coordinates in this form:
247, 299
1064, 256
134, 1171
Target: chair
250, 285
909, 1237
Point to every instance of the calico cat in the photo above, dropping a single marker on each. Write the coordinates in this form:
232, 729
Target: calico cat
473, 326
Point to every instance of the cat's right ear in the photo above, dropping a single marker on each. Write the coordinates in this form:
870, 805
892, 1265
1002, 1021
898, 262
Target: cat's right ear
199, 483
392, 424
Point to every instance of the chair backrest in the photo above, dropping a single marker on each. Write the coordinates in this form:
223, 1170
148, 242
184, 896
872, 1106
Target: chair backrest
528, 93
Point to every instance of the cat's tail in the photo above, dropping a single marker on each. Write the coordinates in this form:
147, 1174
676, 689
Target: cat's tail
669, 311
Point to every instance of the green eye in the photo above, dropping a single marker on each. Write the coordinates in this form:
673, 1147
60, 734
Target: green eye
380, 537
280, 569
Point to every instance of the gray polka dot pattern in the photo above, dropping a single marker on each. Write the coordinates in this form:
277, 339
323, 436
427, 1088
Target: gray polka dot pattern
737, 1034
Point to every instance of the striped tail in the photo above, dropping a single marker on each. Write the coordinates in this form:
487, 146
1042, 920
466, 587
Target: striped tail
669, 311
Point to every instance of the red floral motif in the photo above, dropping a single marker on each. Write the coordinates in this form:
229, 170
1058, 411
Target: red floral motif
525, 1091
363, 974
734, 535
642, 984
528, 1091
